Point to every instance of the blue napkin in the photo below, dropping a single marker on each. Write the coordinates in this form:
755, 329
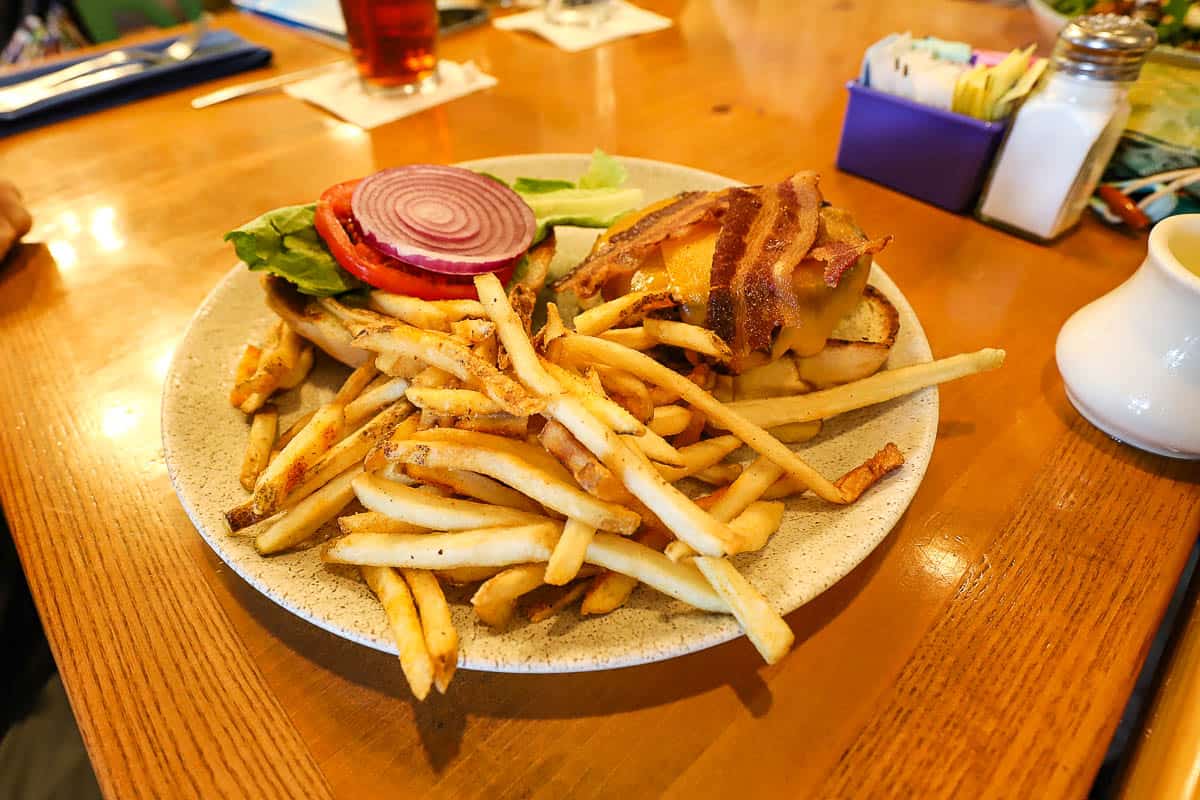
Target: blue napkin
231, 54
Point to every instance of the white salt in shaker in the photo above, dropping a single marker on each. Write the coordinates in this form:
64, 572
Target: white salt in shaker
1063, 136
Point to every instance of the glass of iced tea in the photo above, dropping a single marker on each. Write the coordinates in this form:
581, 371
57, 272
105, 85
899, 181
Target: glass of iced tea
394, 43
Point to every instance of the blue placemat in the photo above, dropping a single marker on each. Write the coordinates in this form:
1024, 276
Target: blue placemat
229, 54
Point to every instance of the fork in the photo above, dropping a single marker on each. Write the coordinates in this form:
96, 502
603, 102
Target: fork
180, 50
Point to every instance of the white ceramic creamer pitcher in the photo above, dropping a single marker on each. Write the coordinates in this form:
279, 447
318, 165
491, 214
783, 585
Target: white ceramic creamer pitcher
1131, 359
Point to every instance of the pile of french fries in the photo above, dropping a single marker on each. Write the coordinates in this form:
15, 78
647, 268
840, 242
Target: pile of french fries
542, 465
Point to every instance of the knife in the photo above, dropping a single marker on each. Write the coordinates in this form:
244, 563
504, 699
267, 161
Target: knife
18, 98
253, 87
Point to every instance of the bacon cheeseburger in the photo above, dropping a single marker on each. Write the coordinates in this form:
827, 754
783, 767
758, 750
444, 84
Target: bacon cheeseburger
775, 271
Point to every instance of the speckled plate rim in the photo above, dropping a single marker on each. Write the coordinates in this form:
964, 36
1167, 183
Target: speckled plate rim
853, 534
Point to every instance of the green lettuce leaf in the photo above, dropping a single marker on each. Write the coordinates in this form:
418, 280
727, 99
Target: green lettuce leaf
490, 176
285, 242
603, 173
539, 185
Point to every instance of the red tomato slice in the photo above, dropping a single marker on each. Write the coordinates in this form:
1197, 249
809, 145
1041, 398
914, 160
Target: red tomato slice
335, 225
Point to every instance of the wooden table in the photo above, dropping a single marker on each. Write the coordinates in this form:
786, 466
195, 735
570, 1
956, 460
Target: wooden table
987, 647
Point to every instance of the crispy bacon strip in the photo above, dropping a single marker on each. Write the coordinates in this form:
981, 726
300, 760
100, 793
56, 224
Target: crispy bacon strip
625, 251
870, 472
841, 256
766, 234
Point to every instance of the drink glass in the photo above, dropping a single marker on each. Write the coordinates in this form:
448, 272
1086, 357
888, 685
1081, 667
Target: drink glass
394, 43
588, 13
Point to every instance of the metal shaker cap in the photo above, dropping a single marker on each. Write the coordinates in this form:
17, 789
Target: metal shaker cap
1104, 47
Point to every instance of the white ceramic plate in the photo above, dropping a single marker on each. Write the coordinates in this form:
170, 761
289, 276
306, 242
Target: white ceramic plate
204, 439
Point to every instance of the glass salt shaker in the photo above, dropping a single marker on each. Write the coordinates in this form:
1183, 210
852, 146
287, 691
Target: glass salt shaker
1061, 138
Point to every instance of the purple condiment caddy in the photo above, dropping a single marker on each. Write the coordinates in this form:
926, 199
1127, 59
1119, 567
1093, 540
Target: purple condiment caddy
933, 155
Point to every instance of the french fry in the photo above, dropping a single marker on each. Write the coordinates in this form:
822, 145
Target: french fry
554, 327
748, 488
488, 351
796, 432
614, 415
397, 601
410, 505
689, 337
691, 434
529, 452
568, 554
293, 429
756, 524
609, 590
629, 392
607, 593
505, 546
431, 489
302, 520
353, 319
258, 448
473, 331
290, 467
299, 370
621, 312
379, 380
495, 601
608, 412
374, 522
763, 626
354, 384
679, 551
655, 447
685, 519
537, 266
373, 399
853, 483
877, 388
754, 436
719, 474
455, 402
434, 378
567, 595
336, 460
700, 456
462, 576
662, 396
633, 338
472, 484
505, 425
499, 546
276, 362
654, 569
441, 639
767, 630
445, 353
522, 475
669, 420
584, 467
459, 309
399, 366
412, 310
246, 367
593, 378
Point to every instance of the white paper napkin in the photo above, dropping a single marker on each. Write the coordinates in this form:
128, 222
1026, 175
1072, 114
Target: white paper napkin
625, 20
340, 92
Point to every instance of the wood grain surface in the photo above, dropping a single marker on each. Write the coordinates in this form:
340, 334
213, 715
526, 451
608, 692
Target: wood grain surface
985, 649
1164, 765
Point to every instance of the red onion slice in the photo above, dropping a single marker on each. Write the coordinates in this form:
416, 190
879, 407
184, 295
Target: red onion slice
443, 219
